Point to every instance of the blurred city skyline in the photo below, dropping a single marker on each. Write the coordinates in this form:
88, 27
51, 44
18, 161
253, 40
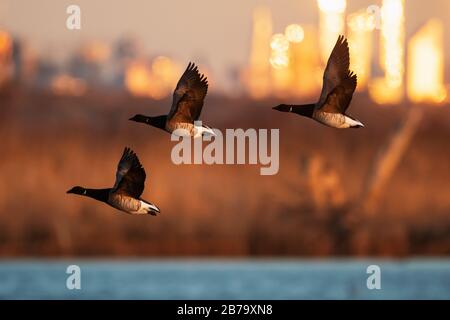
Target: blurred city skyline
217, 35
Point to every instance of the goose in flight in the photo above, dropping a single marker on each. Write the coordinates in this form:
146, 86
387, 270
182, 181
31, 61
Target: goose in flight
126, 193
186, 107
339, 83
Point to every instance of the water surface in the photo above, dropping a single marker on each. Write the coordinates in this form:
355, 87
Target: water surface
225, 279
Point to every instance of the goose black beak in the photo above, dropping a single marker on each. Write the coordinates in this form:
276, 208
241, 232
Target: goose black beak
282, 108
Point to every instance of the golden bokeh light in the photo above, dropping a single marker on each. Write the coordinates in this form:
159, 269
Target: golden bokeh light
166, 71
256, 76
279, 43
426, 64
64, 84
6, 47
390, 89
392, 41
96, 52
155, 80
360, 39
294, 33
361, 21
138, 78
281, 81
331, 24
336, 6
383, 93
279, 60
5, 43
304, 64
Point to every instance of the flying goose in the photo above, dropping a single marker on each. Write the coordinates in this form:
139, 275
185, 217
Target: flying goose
126, 193
339, 83
186, 107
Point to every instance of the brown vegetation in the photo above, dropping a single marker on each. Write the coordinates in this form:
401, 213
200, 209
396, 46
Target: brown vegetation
312, 207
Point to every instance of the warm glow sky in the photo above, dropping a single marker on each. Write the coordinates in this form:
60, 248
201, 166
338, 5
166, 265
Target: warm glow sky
215, 32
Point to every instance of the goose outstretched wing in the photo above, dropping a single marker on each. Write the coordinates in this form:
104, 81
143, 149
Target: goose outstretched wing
339, 82
339, 99
188, 96
130, 176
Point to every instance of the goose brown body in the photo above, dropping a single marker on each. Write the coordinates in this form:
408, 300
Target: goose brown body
187, 105
339, 84
126, 193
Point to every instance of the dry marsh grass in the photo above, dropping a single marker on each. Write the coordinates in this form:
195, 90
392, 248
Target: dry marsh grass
310, 208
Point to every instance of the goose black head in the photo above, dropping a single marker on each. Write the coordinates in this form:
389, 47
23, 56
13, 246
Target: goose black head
78, 190
158, 121
306, 110
140, 118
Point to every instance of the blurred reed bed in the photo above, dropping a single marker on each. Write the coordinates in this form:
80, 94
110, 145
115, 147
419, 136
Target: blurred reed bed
337, 192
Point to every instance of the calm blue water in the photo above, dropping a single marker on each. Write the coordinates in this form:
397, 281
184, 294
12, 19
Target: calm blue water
225, 279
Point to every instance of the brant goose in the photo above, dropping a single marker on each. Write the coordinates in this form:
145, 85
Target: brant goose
186, 107
125, 195
339, 83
